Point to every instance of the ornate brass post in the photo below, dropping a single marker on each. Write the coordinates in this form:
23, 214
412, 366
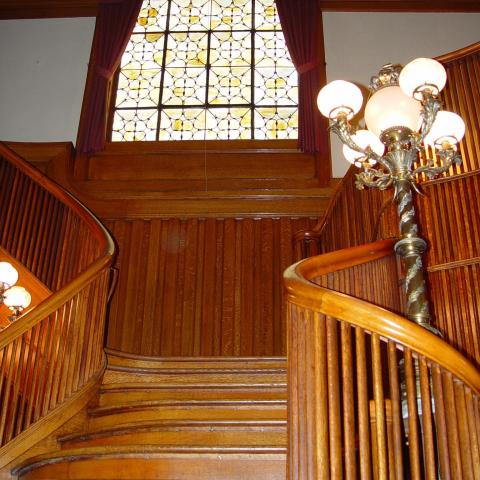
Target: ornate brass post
396, 168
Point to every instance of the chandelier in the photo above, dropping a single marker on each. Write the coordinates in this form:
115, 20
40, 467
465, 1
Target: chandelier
16, 298
403, 117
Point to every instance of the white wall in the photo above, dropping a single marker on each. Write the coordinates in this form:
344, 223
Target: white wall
44, 63
42, 77
358, 44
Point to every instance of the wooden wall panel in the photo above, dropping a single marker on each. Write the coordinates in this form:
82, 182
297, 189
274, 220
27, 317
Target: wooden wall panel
201, 286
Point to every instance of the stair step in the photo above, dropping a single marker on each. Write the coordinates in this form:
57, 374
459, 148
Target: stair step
127, 368
250, 433
105, 417
159, 462
116, 393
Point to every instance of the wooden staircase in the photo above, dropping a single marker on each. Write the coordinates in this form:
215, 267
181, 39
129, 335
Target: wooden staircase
192, 418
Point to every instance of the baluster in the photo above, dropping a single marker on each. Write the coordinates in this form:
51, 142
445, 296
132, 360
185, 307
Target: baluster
348, 407
335, 432
427, 428
363, 409
452, 426
395, 399
414, 442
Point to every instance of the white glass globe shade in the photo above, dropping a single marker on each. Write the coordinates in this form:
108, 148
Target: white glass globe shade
448, 127
364, 139
8, 274
339, 97
17, 297
390, 107
421, 74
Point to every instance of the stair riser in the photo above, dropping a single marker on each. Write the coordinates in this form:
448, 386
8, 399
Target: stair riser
113, 398
207, 413
225, 467
274, 379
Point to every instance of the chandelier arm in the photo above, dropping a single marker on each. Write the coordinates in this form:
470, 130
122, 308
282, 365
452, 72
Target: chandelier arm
447, 157
431, 106
344, 131
373, 178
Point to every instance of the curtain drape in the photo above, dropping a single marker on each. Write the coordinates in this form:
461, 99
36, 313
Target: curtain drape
114, 25
301, 22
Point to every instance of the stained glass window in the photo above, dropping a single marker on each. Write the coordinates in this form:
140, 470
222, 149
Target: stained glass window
206, 69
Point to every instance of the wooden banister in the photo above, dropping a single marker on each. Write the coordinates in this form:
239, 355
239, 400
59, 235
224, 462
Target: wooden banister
50, 357
349, 362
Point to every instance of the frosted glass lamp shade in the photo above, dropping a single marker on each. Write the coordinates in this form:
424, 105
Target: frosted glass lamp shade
8, 274
390, 107
339, 97
448, 127
17, 297
364, 139
421, 74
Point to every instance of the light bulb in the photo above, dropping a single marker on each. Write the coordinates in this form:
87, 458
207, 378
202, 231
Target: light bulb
8, 274
390, 107
17, 297
364, 139
339, 97
422, 74
448, 128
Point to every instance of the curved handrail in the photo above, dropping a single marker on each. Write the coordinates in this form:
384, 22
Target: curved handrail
370, 392
460, 53
105, 239
302, 291
51, 354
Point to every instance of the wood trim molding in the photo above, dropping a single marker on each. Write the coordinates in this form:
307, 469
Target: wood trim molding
18, 9
399, 6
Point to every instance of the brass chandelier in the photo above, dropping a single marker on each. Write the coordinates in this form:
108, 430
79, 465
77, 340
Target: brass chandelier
403, 115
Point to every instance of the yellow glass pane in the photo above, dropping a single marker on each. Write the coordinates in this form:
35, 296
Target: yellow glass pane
184, 86
276, 123
276, 86
152, 16
266, 16
134, 125
186, 15
230, 85
182, 124
228, 123
187, 50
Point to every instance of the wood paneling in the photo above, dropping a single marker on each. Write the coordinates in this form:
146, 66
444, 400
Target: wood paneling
201, 286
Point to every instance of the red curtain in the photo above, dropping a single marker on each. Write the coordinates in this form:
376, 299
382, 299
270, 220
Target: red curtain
301, 22
114, 25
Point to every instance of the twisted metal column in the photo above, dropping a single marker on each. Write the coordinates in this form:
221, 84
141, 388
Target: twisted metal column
411, 248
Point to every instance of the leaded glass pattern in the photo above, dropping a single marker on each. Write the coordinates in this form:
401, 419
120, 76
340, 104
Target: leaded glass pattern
206, 69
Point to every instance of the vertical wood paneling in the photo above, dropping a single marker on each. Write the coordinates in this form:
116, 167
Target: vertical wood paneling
201, 286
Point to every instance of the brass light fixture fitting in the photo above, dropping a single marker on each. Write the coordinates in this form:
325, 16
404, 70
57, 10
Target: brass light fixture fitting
16, 298
402, 115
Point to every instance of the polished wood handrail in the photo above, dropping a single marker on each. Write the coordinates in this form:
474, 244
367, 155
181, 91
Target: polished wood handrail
302, 291
101, 234
460, 53
371, 394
